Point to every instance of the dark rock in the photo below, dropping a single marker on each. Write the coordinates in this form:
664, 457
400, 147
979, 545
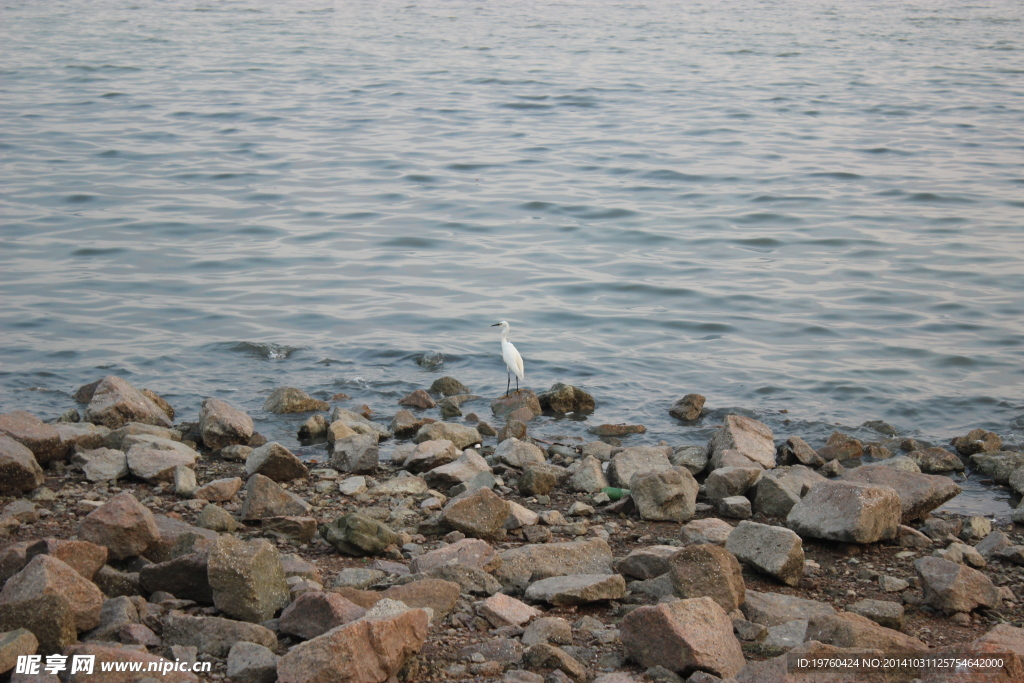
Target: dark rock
688, 408
564, 398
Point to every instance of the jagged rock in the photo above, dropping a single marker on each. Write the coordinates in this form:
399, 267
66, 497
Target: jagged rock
368, 649
688, 408
883, 612
707, 571
102, 464
797, 451
589, 476
357, 454
84, 557
357, 535
994, 543
291, 400
45, 574
462, 470
431, 454
251, 663
449, 386
471, 552
221, 424
299, 530
358, 577
505, 406
49, 617
153, 459
553, 657
114, 583
185, 577
219, 490
115, 403
518, 453
213, 635
735, 507
919, 494
693, 458
899, 462
541, 478
978, 441
247, 578
122, 524
401, 485
19, 469
418, 399
773, 609
360, 423
404, 424
630, 461
669, 495
847, 511
751, 438
461, 435
647, 563
853, 630
951, 587
564, 398
236, 453
42, 439
315, 613
315, 427
438, 597
577, 589
616, 431
934, 460
711, 530
773, 550
519, 516
682, 636
470, 579
534, 562
276, 462
909, 537
725, 482
481, 514
185, 484
120, 438
841, 447
780, 489
265, 498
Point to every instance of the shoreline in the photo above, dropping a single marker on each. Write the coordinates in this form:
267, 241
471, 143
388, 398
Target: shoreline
294, 504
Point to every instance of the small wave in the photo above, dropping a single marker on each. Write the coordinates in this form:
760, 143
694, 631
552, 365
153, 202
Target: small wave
265, 350
430, 359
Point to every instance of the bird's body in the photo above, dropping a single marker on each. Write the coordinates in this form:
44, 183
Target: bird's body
509, 354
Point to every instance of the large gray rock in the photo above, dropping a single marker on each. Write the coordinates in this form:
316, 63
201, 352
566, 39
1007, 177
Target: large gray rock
213, 635
950, 587
774, 609
463, 469
636, 459
751, 438
221, 424
518, 453
772, 550
541, 478
115, 613
481, 514
358, 454
316, 612
122, 524
431, 454
42, 439
251, 663
102, 464
780, 489
919, 494
693, 458
709, 530
83, 436
669, 495
847, 511
276, 462
936, 460
708, 571
577, 589
460, 435
647, 563
153, 459
683, 636
265, 498
565, 398
589, 476
999, 466
520, 566
19, 470
726, 482
291, 400
115, 403
357, 535
247, 578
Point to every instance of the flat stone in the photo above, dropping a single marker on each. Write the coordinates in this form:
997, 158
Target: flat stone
919, 494
296, 529
882, 612
637, 459
437, 596
936, 460
115, 403
710, 530
431, 454
276, 462
251, 663
525, 564
219, 490
751, 438
518, 453
847, 511
772, 550
909, 537
122, 524
471, 552
462, 436
464, 469
102, 464
892, 584
577, 589
247, 578
773, 609
106, 654
358, 577
504, 610
682, 636
154, 459
708, 571
213, 635
845, 629
504, 650
519, 516
315, 613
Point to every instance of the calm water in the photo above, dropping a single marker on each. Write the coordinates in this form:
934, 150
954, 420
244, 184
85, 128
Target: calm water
813, 207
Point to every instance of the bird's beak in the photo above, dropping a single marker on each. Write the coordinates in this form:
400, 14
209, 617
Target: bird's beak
496, 325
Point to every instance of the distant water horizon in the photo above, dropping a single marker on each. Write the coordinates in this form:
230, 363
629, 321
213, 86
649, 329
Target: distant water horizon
809, 212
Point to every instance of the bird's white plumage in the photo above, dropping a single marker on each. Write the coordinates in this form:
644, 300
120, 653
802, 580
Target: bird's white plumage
510, 355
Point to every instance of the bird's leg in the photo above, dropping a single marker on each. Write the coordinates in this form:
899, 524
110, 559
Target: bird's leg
508, 384
517, 384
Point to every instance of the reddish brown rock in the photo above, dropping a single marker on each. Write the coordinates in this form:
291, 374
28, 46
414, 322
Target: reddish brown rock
846, 629
219, 490
46, 575
363, 651
19, 470
481, 514
40, 438
221, 424
264, 498
276, 462
84, 557
247, 578
48, 616
115, 403
122, 524
708, 571
683, 636
436, 594
841, 447
315, 613
503, 610
418, 399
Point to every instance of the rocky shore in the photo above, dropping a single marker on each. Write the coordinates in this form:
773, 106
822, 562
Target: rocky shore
429, 545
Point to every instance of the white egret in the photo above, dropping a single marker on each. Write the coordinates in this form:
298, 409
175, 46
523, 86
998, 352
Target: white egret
511, 356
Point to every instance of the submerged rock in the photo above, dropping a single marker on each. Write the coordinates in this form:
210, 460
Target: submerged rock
564, 398
285, 400
688, 408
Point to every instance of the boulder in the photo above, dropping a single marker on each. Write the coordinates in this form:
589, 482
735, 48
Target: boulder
221, 424
847, 511
841, 447
589, 476
471, 581
565, 398
710, 530
213, 636
630, 461
115, 613
683, 636
577, 589
84, 557
731, 458
919, 494
998, 465
42, 439
102, 464
688, 408
449, 386
523, 400
936, 460
548, 630
461, 436
45, 575
431, 454
265, 498
153, 459
883, 612
520, 566
251, 663
315, 613
977, 441
853, 630
276, 462
950, 587
19, 470
647, 563
549, 656
463, 469
291, 400
772, 550
693, 458
707, 571
775, 609
109, 658
751, 438
518, 453
780, 489
48, 616
405, 425
541, 478
503, 610
357, 535
481, 514
471, 552
115, 403
669, 495
359, 423
356, 454
418, 399
14, 645
299, 530
436, 595
370, 650
123, 525
247, 578
219, 490
726, 482
796, 451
